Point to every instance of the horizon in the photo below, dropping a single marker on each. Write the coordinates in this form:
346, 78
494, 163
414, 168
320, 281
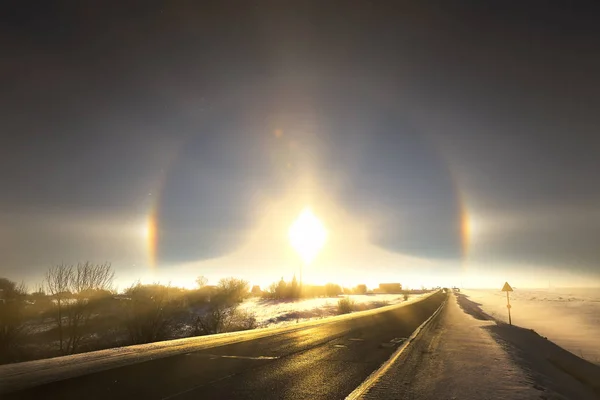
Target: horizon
121, 285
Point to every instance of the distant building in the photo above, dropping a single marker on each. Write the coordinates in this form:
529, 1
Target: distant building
390, 287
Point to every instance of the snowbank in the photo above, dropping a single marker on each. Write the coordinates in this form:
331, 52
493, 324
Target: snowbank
568, 317
555, 371
270, 313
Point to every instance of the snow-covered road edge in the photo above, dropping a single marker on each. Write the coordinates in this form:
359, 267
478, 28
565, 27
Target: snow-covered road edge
548, 364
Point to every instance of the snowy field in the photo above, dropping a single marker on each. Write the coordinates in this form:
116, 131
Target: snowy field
270, 313
568, 317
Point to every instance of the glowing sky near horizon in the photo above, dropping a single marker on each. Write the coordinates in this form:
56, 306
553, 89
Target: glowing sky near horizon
438, 145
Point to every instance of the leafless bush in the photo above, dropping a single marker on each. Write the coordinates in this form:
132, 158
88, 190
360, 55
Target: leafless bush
201, 281
221, 318
345, 305
149, 312
220, 313
213, 319
241, 320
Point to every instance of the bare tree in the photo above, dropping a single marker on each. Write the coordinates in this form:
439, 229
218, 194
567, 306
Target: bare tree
57, 281
75, 290
201, 281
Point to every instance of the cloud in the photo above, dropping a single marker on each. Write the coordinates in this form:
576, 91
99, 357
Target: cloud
34, 241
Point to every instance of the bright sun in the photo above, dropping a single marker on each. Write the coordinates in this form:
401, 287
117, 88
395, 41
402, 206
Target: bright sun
307, 235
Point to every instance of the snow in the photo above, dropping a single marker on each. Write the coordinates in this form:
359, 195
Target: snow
271, 313
557, 372
568, 317
453, 357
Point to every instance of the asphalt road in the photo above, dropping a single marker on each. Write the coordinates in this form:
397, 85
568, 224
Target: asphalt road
318, 362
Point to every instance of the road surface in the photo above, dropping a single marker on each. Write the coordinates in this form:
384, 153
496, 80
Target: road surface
327, 361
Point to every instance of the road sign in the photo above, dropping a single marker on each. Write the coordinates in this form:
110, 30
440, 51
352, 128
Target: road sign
506, 288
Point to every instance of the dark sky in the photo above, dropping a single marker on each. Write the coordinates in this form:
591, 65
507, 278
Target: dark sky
409, 115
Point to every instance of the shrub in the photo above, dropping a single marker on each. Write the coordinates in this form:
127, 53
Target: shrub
345, 305
220, 314
149, 312
360, 289
232, 290
332, 290
241, 321
283, 290
405, 296
256, 291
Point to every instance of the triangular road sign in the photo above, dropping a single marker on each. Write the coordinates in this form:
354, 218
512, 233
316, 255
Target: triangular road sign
506, 287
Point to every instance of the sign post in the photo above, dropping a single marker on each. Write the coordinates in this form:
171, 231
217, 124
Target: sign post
506, 288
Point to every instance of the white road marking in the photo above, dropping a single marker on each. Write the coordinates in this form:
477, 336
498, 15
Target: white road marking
363, 387
249, 357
